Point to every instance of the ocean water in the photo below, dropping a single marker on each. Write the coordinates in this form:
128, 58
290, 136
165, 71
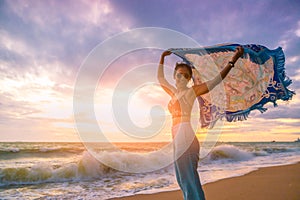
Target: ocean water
70, 171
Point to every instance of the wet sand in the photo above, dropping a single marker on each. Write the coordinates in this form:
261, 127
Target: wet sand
269, 183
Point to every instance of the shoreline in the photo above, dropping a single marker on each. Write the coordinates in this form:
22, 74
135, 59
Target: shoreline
275, 182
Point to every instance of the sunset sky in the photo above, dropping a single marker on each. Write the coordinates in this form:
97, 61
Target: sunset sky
43, 44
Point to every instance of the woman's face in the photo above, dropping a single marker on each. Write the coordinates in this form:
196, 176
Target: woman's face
182, 76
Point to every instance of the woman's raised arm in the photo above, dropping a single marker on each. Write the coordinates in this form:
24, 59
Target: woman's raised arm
161, 76
209, 85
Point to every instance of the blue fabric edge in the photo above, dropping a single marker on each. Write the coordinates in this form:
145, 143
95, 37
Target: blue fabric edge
279, 69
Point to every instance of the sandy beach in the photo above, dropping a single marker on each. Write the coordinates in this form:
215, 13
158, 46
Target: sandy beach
269, 183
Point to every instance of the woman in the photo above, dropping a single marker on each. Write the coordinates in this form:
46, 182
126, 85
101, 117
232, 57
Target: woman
186, 145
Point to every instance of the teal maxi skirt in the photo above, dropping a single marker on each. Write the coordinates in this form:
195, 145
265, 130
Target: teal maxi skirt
186, 154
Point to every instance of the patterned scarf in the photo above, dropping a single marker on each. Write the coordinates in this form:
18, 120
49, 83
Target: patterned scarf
257, 78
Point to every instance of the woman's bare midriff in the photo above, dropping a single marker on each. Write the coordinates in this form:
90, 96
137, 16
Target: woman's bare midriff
178, 120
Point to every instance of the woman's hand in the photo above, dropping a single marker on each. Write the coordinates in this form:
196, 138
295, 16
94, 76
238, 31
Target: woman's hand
166, 53
163, 55
239, 51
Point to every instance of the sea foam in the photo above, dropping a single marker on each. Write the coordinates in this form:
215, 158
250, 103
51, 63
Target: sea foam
87, 167
229, 152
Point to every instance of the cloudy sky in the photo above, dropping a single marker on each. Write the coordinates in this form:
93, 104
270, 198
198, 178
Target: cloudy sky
43, 44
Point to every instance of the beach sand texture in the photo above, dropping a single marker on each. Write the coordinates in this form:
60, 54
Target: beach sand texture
269, 183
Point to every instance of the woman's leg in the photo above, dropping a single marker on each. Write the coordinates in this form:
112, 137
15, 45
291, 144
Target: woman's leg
188, 177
